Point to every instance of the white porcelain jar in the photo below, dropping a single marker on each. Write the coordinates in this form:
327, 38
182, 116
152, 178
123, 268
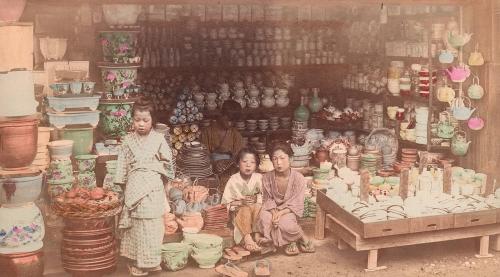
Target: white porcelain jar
21, 229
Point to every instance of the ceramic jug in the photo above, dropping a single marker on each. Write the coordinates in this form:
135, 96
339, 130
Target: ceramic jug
475, 123
460, 110
459, 144
475, 91
315, 104
301, 113
458, 74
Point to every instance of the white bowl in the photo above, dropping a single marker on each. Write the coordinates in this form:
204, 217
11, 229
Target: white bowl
121, 14
53, 48
60, 120
60, 104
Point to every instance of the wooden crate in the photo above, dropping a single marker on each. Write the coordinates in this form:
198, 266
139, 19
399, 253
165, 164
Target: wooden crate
431, 223
475, 218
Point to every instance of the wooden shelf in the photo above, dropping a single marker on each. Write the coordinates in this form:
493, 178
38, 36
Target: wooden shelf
261, 111
361, 94
266, 133
309, 67
412, 98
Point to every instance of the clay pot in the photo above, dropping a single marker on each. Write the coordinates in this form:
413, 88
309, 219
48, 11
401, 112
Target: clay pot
18, 143
82, 136
22, 228
22, 264
11, 9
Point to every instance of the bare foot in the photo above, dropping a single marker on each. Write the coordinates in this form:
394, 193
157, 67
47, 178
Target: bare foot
250, 244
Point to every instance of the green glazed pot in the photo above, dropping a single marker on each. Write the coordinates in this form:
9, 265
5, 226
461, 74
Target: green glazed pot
175, 255
315, 103
83, 138
116, 118
118, 77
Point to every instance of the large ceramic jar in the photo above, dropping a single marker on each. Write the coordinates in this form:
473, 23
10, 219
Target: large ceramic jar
18, 142
82, 136
119, 46
21, 229
116, 118
22, 264
19, 190
117, 77
301, 113
315, 104
11, 9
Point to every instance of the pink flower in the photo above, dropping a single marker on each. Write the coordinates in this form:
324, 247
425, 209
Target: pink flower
119, 113
111, 76
123, 48
104, 42
126, 84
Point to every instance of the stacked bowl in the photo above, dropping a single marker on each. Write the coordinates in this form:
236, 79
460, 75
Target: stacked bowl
206, 249
422, 115
274, 123
263, 124
239, 125
409, 156
251, 125
194, 161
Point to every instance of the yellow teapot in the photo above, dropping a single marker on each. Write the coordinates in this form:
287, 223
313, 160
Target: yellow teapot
445, 93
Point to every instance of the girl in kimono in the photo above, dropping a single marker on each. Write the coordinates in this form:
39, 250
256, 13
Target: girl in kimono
243, 194
144, 162
283, 202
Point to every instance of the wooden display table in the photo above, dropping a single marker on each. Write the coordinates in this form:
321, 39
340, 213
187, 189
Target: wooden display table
348, 229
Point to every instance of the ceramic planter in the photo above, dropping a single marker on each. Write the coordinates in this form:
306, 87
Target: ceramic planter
21, 229
119, 46
60, 172
116, 118
82, 136
60, 104
18, 143
86, 163
17, 191
121, 14
53, 48
22, 264
116, 78
86, 180
11, 10
175, 255
18, 87
60, 120
60, 149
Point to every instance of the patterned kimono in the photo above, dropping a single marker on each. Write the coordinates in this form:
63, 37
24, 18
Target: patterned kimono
141, 165
246, 217
288, 229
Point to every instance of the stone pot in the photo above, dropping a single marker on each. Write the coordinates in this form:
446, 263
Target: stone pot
11, 10
23, 264
18, 143
20, 190
116, 118
82, 136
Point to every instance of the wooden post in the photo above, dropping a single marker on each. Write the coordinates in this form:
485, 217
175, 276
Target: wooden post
423, 162
447, 179
319, 230
484, 244
373, 261
404, 183
365, 185
496, 242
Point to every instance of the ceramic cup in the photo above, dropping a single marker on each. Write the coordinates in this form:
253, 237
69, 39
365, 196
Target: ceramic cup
76, 87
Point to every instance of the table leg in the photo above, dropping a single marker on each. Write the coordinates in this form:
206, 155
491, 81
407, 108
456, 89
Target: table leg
372, 261
484, 245
496, 242
319, 231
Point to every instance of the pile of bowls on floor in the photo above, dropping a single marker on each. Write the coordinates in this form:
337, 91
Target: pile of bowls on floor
206, 249
89, 246
60, 172
175, 255
422, 117
194, 160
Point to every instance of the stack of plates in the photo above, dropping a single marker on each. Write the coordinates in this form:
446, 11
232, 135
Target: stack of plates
251, 125
409, 156
240, 125
263, 124
274, 123
215, 217
194, 161
369, 162
286, 122
353, 162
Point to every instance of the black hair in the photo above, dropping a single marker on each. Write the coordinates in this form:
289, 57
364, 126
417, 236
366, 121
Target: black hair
247, 150
283, 146
232, 109
145, 105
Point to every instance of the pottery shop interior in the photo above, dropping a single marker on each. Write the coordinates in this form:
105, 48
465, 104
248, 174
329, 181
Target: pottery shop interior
218, 138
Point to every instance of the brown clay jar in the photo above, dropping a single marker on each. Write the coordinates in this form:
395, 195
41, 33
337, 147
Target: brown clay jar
22, 264
18, 143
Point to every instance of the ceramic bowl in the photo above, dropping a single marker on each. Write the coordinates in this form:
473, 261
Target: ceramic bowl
60, 120
59, 88
25, 189
60, 104
60, 149
206, 261
175, 255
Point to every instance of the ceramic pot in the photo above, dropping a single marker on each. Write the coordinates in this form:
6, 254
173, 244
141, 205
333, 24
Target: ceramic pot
301, 113
119, 46
121, 14
315, 104
83, 138
22, 229
175, 255
60, 172
18, 143
116, 118
268, 102
20, 190
87, 179
282, 101
18, 87
44, 135
11, 11
86, 163
53, 48
22, 264
116, 78
60, 149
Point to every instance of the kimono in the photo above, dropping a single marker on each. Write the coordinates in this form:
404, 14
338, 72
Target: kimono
223, 150
288, 229
140, 166
247, 216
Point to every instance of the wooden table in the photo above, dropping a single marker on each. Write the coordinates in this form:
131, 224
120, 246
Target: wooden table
345, 230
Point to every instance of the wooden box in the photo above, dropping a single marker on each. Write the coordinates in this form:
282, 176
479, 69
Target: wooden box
431, 223
475, 218
16, 49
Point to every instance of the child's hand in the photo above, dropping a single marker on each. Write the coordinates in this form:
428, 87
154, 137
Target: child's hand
250, 199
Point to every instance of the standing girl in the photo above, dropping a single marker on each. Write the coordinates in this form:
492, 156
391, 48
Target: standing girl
144, 161
243, 192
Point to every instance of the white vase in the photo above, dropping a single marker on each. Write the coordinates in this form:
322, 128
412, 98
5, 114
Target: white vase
21, 229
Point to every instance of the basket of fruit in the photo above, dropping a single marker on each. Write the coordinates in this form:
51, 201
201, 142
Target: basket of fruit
87, 203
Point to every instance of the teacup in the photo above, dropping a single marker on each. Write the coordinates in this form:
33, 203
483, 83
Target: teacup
76, 87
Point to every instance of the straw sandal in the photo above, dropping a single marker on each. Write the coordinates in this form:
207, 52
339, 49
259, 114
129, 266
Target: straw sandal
292, 249
231, 255
307, 246
230, 270
135, 271
241, 251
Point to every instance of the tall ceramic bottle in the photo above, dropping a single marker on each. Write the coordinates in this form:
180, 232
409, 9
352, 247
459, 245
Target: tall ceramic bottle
301, 113
315, 104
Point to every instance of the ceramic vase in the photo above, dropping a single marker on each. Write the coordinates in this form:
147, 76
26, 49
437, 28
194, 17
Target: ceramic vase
18, 143
83, 138
119, 46
117, 78
11, 10
21, 229
301, 113
116, 118
315, 104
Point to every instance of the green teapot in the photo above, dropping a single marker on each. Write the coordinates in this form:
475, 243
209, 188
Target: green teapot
445, 129
459, 144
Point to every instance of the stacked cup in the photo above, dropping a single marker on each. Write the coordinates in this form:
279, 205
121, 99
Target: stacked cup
86, 166
60, 171
422, 115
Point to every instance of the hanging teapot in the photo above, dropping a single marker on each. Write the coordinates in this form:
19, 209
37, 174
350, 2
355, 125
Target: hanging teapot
445, 93
475, 123
459, 144
446, 56
460, 110
476, 58
459, 40
458, 74
445, 129
475, 91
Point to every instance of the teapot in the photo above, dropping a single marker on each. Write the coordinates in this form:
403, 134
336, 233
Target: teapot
459, 144
460, 110
282, 101
253, 102
445, 129
458, 74
475, 91
475, 123
445, 93
459, 40
446, 57
268, 102
253, 91
268, 92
